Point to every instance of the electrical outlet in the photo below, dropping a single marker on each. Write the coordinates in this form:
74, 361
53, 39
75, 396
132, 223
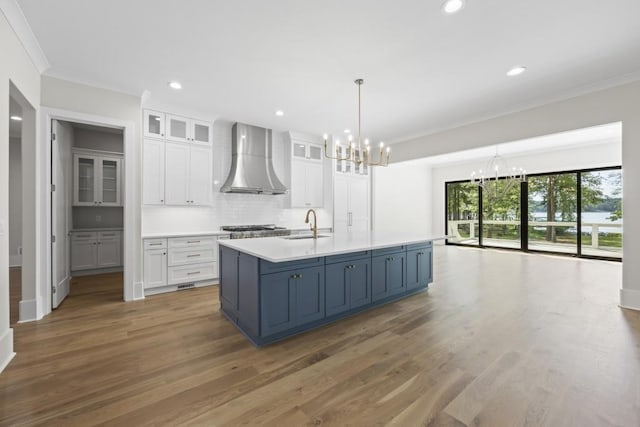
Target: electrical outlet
98, 218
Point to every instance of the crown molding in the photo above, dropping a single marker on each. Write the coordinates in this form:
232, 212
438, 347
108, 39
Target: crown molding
18, 22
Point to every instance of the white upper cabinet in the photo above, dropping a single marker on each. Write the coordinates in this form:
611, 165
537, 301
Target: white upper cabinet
178, 161
153, 172
182, 129
307, 185
154, 124
97, 180
187, 174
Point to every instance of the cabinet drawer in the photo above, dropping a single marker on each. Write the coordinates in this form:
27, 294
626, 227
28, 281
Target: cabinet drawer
89, 235
273, 267
189, 242
191, 273
416, 246
385, 251
182, 256
155, 244
109, 235
347, 257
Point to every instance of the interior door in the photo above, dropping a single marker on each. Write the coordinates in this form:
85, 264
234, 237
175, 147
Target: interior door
60, 164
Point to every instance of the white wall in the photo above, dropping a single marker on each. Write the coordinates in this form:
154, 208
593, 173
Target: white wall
97, 140
15, 202
230, 208
590, 156
617, 104
401, 198
16, 67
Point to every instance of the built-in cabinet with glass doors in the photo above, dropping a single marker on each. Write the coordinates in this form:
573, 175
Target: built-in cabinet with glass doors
97, 179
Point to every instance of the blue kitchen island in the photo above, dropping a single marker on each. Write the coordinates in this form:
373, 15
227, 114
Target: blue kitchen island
272, 288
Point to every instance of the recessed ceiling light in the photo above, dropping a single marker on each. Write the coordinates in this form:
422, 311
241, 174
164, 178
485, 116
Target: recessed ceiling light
279, 113
175, 85
452, 6
16, 118
516, 71
347, 131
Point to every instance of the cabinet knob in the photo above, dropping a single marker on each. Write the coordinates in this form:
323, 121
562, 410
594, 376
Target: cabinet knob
161, 200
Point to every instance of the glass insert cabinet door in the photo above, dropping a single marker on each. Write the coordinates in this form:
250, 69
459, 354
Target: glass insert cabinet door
178, 129
201, 132
85, 182
110, 182
153, 124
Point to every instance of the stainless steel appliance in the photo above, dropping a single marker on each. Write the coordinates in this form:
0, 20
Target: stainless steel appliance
251, 162
252, 231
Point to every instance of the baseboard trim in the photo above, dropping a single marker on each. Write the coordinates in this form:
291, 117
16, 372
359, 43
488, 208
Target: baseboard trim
138, 291
6, 349
630, 298
80, 273
28, 310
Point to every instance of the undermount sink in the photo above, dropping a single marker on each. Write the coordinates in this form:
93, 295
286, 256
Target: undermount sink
301, 237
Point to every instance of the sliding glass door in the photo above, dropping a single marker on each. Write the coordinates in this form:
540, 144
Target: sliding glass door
462, 213
553, 207
576, 213
601, 225
501, 215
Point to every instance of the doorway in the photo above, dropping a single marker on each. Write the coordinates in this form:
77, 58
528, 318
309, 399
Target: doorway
87, 219
15, 209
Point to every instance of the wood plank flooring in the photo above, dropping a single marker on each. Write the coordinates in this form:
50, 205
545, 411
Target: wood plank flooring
15, 294
500, 339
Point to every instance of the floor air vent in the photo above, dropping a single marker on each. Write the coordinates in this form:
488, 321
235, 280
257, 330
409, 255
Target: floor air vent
186, 286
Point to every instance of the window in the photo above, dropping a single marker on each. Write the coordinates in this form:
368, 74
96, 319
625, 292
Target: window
556, 206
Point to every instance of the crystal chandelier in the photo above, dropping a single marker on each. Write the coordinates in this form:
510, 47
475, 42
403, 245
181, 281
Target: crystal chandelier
497, 178
356, 153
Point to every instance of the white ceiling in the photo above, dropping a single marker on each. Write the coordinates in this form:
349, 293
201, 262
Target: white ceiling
423, 71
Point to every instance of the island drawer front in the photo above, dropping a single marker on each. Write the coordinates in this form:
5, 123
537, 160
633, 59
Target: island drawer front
347, 257
183, 256
267, 267
386, 251
190, 242
155, 244
191, 273
419, 246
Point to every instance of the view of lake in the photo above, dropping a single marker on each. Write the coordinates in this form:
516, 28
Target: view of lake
589, 217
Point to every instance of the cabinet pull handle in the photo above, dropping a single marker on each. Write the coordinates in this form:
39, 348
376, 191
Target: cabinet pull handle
294, 276
193, 272
194, 255
390, 258
193, 241
155, 244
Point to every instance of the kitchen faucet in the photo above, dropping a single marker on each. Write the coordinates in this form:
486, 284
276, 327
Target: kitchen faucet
314, 227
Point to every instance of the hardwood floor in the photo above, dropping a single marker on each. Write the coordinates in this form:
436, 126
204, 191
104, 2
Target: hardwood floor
15, 294
500, 339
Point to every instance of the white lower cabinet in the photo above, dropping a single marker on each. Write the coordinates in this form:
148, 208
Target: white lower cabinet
155, 266
95, 249
180, 260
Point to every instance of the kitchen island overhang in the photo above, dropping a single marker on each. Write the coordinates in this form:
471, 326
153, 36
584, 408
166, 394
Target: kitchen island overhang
273, 288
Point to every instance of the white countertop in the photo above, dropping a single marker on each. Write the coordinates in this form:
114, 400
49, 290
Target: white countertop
278, 249
184, 234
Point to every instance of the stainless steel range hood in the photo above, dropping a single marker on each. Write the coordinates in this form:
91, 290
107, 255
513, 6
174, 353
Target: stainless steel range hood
251, 162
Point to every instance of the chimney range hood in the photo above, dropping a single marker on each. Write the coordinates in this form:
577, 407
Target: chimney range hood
251, 162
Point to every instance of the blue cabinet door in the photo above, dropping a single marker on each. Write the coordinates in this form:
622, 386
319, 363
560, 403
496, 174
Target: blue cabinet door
229, 281
360, 283
419, 268
348, 285
277, 302
309, 295
388, 275
336, 289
